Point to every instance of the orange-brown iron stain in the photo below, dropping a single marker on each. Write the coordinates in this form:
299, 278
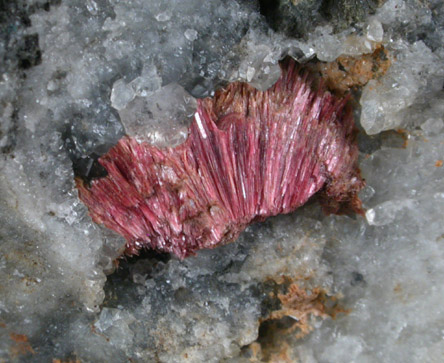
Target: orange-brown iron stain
21, 345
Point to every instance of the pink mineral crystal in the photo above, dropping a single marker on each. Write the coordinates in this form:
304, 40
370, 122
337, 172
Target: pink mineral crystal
249, 155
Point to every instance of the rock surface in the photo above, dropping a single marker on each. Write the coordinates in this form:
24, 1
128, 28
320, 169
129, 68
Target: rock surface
72, 72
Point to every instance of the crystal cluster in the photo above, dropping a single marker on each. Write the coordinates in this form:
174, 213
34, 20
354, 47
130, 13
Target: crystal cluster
75, 76
249, 155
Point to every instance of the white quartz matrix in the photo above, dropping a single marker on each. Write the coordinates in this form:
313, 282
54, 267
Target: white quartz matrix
110, 67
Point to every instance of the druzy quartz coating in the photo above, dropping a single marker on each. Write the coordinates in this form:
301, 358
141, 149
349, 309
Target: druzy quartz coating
249, 155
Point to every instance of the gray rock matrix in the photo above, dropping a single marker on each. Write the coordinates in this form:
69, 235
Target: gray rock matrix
77, 75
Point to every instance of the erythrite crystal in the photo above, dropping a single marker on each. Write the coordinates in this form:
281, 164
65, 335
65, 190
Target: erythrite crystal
249, 155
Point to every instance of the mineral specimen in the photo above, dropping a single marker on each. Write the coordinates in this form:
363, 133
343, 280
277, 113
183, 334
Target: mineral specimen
208, 308
249, 155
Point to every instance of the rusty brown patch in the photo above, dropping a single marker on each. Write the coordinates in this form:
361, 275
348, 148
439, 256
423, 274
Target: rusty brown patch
292, 320
74, 360
20, 346
301, 305
439, 163
405, 135
349, 72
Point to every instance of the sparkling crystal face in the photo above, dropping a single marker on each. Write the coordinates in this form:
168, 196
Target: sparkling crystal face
249, 155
